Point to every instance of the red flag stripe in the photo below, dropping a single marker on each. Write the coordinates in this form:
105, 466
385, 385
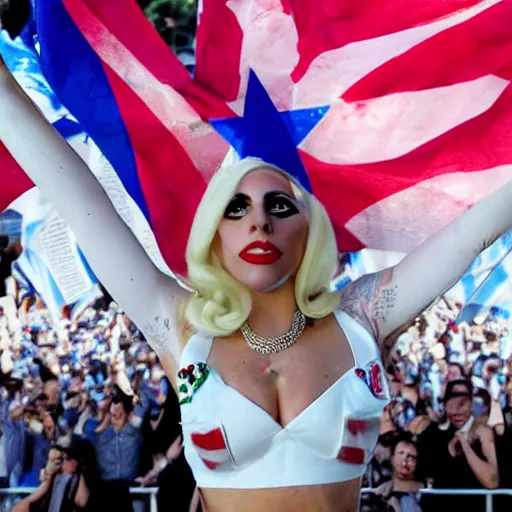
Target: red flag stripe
331, 74
14, 179
215, 39
461, 53
172, 185
338, 24
148, 47
479, 144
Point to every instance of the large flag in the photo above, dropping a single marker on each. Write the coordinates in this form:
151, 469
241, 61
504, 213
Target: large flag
396, 113
51, 264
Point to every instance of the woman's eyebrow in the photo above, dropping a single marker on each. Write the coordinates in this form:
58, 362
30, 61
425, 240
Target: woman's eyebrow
240, 195
276, 193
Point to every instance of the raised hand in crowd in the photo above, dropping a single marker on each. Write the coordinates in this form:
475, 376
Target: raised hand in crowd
486, 470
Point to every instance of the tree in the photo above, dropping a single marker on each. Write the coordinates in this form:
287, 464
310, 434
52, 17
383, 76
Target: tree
175, 21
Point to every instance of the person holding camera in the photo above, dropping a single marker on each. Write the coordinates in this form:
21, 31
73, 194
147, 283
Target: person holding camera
63, 486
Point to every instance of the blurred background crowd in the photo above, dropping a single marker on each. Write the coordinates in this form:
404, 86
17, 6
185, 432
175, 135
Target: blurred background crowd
452, 388
91, 388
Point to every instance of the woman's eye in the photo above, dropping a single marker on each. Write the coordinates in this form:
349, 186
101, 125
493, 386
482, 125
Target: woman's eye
236, 209
282, 207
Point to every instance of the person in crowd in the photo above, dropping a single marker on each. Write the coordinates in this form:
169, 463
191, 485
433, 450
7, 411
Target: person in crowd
461, 453
380, 469
164, 441
455, 371
63, 486
12, 430
8, 255
399, 494
41, 432
118, 442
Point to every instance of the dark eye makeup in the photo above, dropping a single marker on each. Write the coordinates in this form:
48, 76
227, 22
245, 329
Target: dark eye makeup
280, 205
237, 207
277, 204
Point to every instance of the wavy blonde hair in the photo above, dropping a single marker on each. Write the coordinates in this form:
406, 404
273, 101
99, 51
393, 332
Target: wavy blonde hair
221, 304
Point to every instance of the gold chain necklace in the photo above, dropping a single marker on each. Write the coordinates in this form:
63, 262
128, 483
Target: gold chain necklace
265, 346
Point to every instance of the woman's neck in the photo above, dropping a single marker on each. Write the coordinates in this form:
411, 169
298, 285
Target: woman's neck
272, 312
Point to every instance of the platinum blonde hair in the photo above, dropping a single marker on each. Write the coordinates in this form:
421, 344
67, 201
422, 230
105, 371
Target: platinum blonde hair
221, 304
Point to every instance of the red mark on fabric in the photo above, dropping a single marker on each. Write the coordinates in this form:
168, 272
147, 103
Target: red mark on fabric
213, 440
211, 465
352, 455
357, 426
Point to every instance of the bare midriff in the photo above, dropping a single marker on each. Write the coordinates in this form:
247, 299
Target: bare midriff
340, 497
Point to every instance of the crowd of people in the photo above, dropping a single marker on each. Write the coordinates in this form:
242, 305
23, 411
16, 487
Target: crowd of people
448, 425
90, 391
86, 412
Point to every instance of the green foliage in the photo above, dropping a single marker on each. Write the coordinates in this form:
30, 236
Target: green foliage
175, 21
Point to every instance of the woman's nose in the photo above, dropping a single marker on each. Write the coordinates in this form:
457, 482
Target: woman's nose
262, 222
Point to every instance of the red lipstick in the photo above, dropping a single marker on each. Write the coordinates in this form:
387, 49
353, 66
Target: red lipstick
260, 253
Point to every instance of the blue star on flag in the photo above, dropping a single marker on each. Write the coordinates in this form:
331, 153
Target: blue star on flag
265, 133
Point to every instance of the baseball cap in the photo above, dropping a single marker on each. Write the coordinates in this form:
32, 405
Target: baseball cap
456, 388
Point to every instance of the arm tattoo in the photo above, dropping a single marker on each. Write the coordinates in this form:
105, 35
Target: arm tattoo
370, 299
158, 334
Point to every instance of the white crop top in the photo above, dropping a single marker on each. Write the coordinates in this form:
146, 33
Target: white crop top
230, 442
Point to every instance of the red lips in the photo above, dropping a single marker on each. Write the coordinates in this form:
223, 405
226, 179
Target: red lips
264, 253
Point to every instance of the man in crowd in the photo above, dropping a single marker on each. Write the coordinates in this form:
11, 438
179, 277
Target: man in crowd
400, 493
118, 445
460, 453
118, 441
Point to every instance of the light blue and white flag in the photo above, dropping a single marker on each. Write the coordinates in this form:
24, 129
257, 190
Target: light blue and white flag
51, 264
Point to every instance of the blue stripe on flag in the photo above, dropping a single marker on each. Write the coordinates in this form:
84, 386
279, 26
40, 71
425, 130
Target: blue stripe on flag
67, 127
76, 75
86, 265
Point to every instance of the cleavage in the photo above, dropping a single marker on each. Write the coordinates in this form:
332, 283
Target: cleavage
301, 374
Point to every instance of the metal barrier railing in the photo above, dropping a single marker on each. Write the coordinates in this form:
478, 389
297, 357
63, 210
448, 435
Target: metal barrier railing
488, 493
134, 491
152, 492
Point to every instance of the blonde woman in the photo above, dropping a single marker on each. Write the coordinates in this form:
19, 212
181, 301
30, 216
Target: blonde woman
280, 380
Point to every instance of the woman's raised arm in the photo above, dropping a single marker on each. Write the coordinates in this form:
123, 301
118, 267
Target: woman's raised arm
148, 296
386, 300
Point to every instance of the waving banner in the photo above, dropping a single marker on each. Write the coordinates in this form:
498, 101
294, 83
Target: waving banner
397, 114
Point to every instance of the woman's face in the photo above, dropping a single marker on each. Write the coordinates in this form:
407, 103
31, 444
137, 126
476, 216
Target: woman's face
263, 234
